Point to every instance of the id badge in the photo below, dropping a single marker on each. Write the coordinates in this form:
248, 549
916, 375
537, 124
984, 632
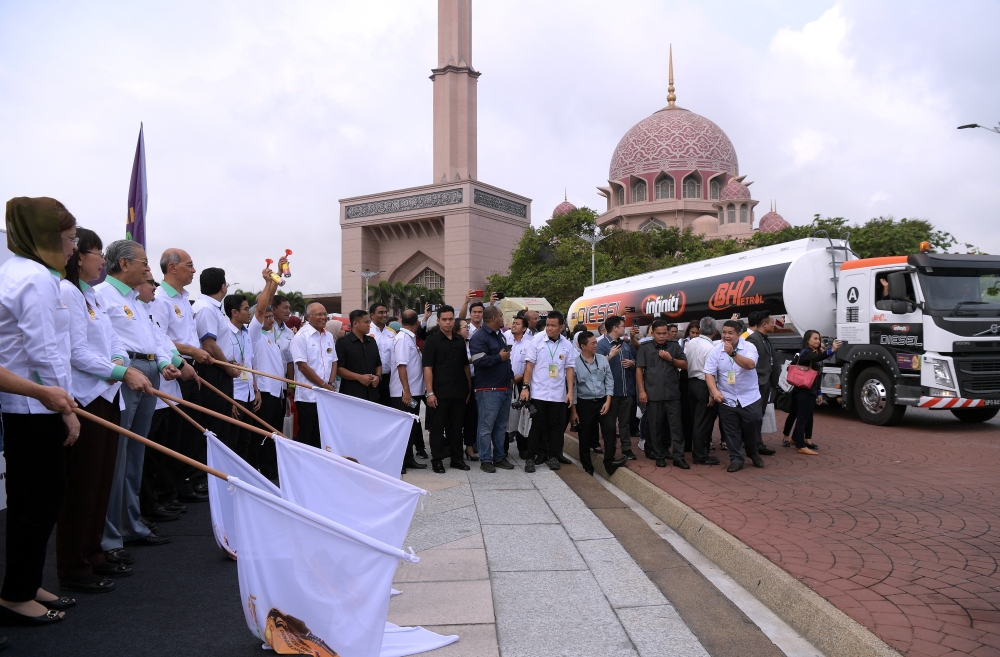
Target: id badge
553, 371
244, 376
731, 377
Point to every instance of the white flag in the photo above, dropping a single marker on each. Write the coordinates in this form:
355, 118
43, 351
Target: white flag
220, 501
374, 435
309, 585
337, 489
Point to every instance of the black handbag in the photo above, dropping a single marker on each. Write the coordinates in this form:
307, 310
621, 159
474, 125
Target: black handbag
784, 402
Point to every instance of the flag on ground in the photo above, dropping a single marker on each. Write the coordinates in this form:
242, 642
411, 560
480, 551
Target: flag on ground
373, 434
220, 501
135, 223
310, 585
366, 500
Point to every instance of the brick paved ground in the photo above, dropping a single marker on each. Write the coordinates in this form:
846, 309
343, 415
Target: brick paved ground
898, 527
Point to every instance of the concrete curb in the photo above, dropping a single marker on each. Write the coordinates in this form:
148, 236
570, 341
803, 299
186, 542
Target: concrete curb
810, 614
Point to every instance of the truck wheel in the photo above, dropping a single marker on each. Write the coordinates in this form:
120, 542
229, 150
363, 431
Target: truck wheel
975, 414
873, 398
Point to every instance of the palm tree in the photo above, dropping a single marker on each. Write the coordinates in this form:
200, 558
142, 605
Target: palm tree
400, 296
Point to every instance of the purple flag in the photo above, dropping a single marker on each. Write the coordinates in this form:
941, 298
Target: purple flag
135, 223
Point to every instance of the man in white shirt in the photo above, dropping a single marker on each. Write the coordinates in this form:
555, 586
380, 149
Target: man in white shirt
214, 331
384, 339
731, 374
550, 359
268, 358
245, 391
406, 382
315, 361
127, 269
697, 351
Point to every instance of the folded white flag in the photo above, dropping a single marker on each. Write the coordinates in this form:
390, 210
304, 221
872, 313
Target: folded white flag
226, 460
361, 498
402, 641
309, 585
374, 435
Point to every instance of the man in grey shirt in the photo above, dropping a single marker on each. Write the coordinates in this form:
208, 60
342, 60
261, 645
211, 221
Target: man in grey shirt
592, 403
658, 383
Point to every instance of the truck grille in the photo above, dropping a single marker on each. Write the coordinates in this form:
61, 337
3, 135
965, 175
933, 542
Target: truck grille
978, 377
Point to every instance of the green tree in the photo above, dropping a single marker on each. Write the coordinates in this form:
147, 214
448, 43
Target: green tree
400, 296
251, 296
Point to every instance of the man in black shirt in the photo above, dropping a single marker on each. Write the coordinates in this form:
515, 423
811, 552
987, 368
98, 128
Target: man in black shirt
657, 380
448, 382
358, 360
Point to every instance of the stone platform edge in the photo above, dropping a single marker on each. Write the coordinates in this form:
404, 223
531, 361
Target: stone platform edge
807, 612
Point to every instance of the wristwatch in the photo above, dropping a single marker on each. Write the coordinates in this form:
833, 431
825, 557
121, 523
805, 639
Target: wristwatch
431, 394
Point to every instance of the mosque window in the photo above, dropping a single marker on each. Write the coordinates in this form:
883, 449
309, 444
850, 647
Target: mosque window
620, 196
652, 224
722, 217
715, 188
429, 279
744, 212
639, 192
731, 211
692, 187
665, 188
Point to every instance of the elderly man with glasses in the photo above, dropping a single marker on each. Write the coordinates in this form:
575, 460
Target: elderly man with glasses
315, 361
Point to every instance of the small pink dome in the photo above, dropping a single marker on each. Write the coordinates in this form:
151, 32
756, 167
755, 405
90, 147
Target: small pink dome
772, 222
563, 208
735, 191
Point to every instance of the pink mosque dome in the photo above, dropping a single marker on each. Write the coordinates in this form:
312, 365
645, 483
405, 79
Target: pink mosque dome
735, 190
563, 208
772, 222
670, 139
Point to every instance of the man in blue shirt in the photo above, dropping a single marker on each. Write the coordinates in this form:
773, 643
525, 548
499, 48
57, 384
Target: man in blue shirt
491, 357
620, 353
731, 375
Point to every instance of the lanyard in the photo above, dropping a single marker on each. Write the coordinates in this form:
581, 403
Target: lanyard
552, 354
277, 334
241, 345
587, 366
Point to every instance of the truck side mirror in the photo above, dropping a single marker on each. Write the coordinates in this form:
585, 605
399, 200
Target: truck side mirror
900, 308
897, 286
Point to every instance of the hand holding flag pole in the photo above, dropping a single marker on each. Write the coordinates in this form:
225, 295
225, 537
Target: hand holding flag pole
164, 396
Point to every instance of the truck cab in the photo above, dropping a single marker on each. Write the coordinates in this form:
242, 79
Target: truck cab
919, 330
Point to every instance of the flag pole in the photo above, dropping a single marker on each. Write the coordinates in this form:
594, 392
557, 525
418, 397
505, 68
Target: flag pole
184, 415
149, 443
164, 396
270, 376
235, 403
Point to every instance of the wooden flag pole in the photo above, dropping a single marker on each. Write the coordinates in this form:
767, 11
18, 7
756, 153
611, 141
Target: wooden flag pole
234, 403
149, 443
270, 376
184, 415
164, 396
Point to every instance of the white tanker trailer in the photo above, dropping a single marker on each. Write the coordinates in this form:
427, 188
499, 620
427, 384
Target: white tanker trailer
919, 330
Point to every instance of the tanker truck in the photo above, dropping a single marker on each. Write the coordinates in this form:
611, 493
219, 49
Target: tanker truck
918, 330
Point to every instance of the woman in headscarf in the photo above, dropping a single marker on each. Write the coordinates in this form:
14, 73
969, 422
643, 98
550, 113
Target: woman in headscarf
99, 365
34, 344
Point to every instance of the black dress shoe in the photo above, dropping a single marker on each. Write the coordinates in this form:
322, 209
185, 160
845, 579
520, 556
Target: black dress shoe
192, 497
413, 465
108, 569
734, 466
540, 460
629, 455
90, 584
758, 462
708, 460
202, 488
11, 617
597, 450
60, 604
521, 454
119, 555
661, 463
681, 463
150, 539
422, 454
553, 463
589, 471
617, 463
159, 514
4, 643
459, 465
503, 464
649, 456
529, 466
402, 471
175, 507
438, 467
565, 461
766, 451
150, 525
486, 466
809, 445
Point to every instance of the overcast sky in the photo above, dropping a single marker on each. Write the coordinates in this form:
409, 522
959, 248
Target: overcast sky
259, 116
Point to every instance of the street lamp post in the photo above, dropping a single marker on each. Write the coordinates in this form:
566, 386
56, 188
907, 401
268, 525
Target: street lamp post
367, 274
592, 239
976, 125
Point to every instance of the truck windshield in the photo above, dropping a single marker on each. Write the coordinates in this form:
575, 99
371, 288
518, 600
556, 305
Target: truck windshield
971, 292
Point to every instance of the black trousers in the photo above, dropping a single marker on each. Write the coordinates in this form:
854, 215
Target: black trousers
308, 424
765, 397
742, 424
790, 421
703, 418
663, 418
687, 417
589, 411
383, 390
621, 412
448, 417
805, 406
36, 489
242, 437
214, 402
189, 441
159, 482
272, 411
470, 428
416, 431
545, 441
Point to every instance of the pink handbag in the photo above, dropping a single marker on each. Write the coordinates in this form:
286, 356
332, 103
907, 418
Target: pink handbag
801, 376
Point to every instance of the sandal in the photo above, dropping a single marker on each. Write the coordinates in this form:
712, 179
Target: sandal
61, 604
786, 443
811, 446
11, 617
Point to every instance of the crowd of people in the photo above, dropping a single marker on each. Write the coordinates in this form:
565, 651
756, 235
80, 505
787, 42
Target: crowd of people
128, 348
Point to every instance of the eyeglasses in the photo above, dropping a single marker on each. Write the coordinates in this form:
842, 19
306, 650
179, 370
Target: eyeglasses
96, 253
74, 240
141, 262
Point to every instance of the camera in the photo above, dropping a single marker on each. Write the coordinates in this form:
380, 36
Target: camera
525, 404
500, 295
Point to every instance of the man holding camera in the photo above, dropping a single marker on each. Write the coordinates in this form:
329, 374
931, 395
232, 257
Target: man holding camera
548, 374
731, 375
620, 352
490, 355
657, 379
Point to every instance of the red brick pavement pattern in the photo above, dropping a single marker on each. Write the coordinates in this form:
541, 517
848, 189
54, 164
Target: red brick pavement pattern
896, 526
